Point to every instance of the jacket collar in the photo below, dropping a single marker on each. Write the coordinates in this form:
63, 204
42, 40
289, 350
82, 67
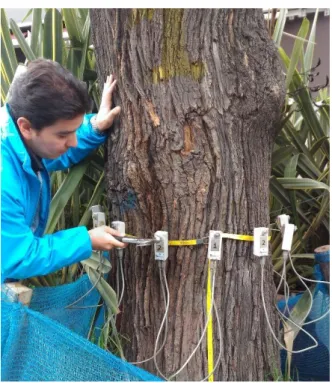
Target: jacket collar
11, 135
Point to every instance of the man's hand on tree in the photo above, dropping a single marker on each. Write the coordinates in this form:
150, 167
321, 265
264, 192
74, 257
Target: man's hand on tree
102, 238
106, 115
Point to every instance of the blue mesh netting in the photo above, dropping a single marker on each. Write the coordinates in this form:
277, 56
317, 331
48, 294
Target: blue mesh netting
52, 302
314, 364
42, 346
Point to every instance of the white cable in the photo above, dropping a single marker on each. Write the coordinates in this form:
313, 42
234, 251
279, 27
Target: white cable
166, 311
281, 275
305, 285
122, 278
268, 321
290, 316
307, 279
286, 290
311, 280
204, 331
286, 286
89, 291
299, 327
161, 264
220, 348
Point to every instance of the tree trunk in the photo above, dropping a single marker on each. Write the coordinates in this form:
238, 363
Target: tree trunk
201, 92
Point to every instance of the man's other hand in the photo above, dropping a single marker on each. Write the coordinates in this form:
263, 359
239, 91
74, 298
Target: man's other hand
106, 115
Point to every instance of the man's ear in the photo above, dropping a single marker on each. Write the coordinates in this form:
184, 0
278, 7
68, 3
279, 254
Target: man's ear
25, 128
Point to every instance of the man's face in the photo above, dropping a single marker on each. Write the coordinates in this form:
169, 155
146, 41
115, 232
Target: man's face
54, 140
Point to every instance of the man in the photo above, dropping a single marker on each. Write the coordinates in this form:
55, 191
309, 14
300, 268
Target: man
44, 127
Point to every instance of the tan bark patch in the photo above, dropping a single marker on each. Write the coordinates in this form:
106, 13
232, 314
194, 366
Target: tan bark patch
153, 115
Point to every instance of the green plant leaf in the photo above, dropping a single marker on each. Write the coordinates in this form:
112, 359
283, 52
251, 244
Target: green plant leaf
65, 192
27, 15
86, 39
323, 213
309, 54
22, 42
8, 58
74, 26
105, 290
97, 263
302, 183
306, 105
297, 50
308, 168
282, 154
36, 30
93, 201
53, 40
318, 145
280, 26
296, 141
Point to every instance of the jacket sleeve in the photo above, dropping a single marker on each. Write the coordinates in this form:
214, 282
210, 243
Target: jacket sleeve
87, 140
24, 255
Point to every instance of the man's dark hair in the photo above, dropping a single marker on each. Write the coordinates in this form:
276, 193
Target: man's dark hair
46, 93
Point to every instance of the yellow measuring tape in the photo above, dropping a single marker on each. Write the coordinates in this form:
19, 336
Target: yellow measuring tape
210, 326
202, 241
186, 242
192, 242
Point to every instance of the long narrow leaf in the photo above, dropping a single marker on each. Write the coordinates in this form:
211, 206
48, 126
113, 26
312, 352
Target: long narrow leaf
305, 102
282, 154
318, 145
86, 39
302, 183
308, 168
310, 47
280, 26
35, 30
22, 42
8, 57
105, 291
52, 42
93, 201
74, 26
64, 193
296, 141
297, 49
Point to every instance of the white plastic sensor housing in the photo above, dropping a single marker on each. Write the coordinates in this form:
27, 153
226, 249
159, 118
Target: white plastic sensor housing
282, 220
161, 247
98, 219
261, 241
98, 216
119, 226
287, 238
215, 245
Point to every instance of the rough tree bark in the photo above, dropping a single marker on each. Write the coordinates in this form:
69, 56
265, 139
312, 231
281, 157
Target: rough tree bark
201, 91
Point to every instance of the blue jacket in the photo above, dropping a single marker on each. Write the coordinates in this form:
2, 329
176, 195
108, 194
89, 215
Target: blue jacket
25, 251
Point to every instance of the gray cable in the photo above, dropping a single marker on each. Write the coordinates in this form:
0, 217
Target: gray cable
307, 279
268, 321
305, 285
166, 311
311, 303
118, 277
161, 264
122, 278
89, 291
